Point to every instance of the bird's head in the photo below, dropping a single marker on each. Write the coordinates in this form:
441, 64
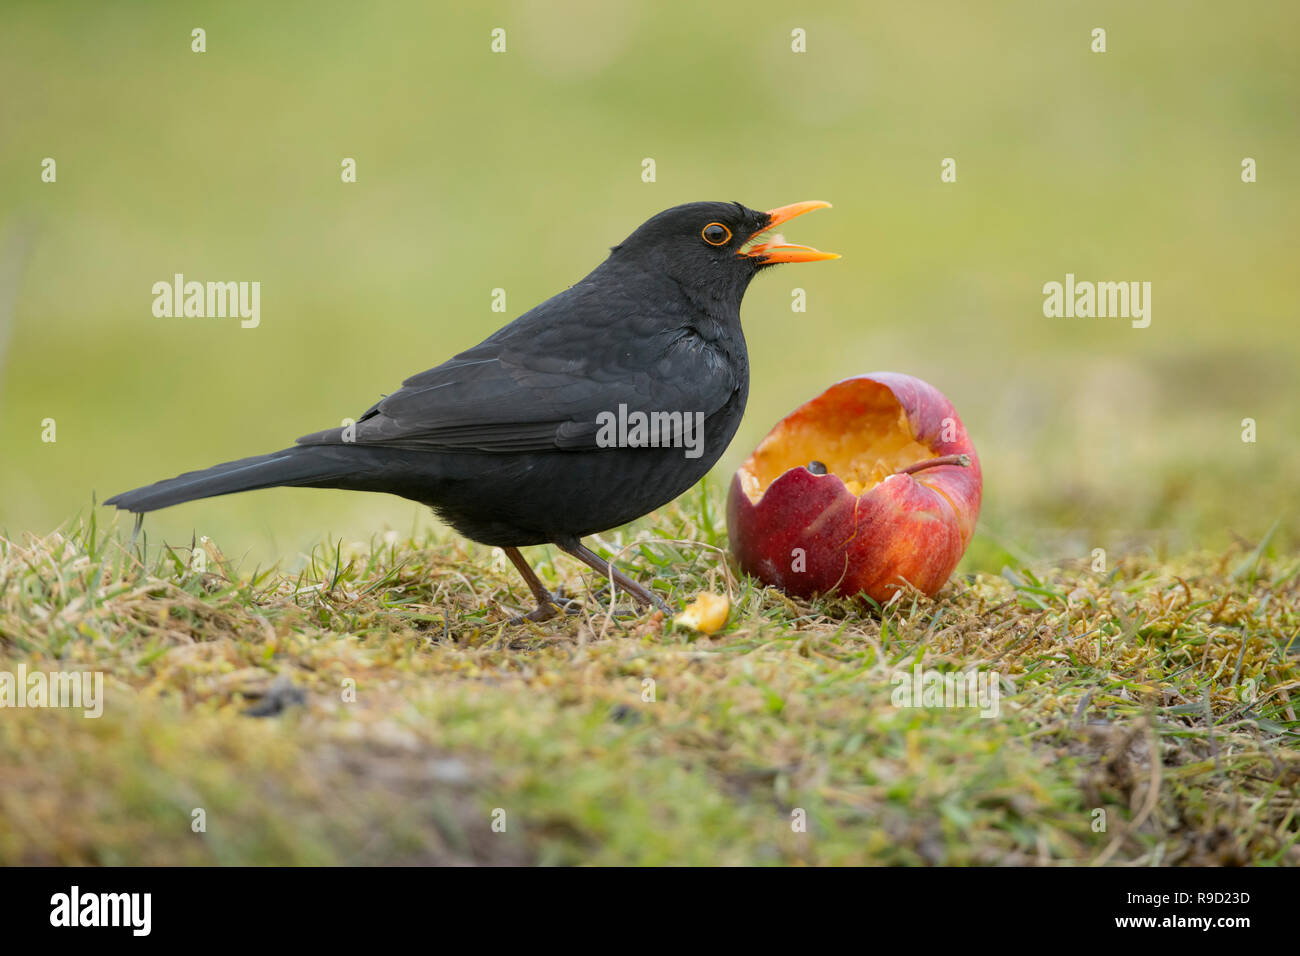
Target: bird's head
714, 249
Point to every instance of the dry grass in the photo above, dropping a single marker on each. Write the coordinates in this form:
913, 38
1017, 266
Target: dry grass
1159, 692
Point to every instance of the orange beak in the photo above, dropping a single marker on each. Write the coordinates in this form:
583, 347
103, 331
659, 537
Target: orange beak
774, 249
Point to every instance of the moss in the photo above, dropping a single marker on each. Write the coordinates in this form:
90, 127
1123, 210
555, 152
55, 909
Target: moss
1155, 697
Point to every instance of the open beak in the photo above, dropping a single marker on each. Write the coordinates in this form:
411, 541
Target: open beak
773, 249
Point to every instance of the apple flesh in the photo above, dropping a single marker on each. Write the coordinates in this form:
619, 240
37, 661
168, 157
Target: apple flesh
872, 485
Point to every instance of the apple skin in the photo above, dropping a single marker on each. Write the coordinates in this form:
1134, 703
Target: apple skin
913, 527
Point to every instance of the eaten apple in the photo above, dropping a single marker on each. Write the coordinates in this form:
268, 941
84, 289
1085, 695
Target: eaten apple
871, 486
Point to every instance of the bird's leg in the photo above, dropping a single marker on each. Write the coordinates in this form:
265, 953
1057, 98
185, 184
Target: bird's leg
546, 601
595, 561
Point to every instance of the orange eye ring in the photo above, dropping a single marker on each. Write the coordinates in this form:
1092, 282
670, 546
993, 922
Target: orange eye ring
713, 237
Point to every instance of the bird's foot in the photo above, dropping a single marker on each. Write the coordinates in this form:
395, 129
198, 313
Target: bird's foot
651, 599
606, 570
549, 607
642, 594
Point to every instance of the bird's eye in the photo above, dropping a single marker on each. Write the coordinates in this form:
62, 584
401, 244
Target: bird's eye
716, 234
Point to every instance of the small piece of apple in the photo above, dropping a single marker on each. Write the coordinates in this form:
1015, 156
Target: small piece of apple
891, 496
706, 614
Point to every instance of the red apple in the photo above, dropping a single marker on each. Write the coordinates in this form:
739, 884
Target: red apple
897, 502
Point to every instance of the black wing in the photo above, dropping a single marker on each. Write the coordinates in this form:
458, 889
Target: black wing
539, 383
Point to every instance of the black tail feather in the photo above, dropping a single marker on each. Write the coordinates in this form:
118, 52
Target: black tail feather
292, 466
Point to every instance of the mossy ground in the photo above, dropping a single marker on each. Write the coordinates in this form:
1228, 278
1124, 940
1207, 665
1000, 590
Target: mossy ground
1158, 691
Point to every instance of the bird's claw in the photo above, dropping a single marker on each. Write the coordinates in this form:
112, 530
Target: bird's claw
655, 602
555, 605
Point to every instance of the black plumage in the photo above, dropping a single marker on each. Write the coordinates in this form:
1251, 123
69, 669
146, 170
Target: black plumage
504, 441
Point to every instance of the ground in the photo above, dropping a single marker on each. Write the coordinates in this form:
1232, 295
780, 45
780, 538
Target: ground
1145, 716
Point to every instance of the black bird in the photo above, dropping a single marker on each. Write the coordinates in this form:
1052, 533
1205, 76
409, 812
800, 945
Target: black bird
516, 442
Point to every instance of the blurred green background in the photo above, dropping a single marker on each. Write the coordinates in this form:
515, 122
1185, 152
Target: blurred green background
517, 170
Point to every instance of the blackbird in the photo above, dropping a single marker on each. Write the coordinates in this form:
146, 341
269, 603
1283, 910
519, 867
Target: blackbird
586, 412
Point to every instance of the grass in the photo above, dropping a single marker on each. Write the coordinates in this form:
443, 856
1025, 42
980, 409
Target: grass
1158, 690
1155, 695
518, 171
